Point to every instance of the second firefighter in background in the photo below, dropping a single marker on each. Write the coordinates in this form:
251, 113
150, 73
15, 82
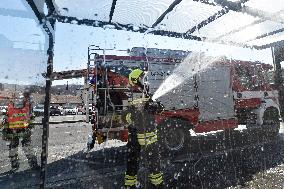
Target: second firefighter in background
18, 126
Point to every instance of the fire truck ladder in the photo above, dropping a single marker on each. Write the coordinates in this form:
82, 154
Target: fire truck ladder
100, 65
101, 99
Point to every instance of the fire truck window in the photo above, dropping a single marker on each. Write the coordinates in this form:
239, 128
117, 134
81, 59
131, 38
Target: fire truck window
270, 76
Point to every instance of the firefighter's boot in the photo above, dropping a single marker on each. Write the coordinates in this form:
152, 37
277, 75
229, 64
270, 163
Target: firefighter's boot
91, 142
14, 159
33, 163
14, 163
159, 186
156, 180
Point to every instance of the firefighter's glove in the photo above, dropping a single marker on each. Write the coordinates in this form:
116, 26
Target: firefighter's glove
90, 143
154, 107
101, 138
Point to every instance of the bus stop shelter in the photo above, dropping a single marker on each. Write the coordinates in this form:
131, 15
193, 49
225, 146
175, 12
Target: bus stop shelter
259, 25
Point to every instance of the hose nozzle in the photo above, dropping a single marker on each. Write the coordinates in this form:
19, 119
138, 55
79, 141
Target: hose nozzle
154, 106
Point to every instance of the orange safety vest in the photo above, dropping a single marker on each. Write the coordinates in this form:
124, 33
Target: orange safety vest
18, 118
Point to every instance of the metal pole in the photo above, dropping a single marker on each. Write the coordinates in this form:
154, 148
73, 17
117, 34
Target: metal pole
45, 120
48, 24
278, 77
86, 99
273, 57
86, 86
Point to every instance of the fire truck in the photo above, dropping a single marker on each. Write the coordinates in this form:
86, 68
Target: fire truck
222, 96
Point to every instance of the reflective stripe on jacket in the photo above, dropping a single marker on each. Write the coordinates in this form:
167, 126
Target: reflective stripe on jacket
18, 117
147, 138
156, 179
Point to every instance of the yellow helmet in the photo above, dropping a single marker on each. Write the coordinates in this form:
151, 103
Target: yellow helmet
134, 76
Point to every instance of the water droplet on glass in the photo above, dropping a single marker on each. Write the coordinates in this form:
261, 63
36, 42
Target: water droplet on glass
65, 9
176, 175
138, 184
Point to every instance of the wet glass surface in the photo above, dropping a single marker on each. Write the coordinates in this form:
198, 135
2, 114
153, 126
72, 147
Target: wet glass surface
119, 94
23, 60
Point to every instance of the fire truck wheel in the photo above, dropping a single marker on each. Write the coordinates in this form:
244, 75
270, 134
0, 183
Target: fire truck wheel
174, 134
271, 120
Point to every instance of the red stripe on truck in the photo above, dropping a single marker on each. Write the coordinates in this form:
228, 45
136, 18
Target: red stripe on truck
186, 114
215, 125
248, 103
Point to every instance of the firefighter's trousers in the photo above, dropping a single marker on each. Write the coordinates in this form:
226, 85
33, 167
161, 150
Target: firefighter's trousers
146, 142
27, 148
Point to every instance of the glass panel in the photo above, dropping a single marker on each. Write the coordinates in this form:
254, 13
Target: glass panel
225, 24
22, 91
168, 60
139, 13
268, 40
186, 15
94, 10
129, 108
14, 4
254, 31
266, 5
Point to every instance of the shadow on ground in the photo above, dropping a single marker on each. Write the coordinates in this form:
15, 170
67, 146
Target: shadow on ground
214, 161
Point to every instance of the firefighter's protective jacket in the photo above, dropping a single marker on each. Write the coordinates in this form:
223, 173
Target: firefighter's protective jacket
144, 122
18, 118
18, 121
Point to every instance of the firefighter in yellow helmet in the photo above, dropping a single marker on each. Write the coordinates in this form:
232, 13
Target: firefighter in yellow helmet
142, 137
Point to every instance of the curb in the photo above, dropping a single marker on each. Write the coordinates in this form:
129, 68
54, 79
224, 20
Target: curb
67, 121
58, 122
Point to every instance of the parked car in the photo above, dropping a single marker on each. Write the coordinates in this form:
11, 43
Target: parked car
55, 111
38, 110
3, 109
70, 110
61, 109
81, 110
3, 119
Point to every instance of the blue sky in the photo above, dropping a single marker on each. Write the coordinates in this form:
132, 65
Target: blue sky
72, 42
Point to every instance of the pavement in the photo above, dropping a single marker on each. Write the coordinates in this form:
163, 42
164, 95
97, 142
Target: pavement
243, 159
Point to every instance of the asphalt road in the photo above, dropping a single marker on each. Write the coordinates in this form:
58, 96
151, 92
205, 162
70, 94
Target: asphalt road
242, 159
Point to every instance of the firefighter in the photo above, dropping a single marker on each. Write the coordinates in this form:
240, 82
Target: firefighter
142, 137
136, 78
18, 126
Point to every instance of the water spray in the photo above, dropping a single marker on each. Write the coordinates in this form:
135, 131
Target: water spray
192, 64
